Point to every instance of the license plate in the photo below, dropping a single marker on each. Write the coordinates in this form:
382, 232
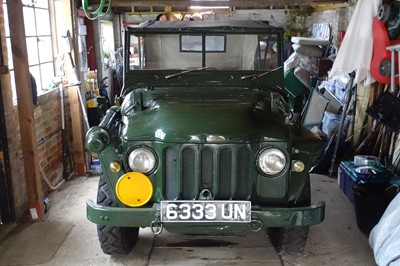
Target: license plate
206, 211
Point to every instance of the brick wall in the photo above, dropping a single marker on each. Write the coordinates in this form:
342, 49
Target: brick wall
14, 148
338, 18
13, 137
49, 136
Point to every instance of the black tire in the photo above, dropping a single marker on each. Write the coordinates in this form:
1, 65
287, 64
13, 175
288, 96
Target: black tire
384, 13
114, 240
385, 68
292, 240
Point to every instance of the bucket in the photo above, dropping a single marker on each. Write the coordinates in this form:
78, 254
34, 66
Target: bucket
370, 202
95, 167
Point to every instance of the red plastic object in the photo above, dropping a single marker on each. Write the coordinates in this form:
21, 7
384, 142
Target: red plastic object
380, 54
340, 37
80, 168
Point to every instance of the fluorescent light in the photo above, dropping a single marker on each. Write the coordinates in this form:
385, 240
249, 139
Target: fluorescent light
208, 7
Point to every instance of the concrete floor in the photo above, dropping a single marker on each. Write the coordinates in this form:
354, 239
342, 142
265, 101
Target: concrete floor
336, 241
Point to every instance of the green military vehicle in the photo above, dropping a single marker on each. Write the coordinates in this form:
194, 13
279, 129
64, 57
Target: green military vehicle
198, 141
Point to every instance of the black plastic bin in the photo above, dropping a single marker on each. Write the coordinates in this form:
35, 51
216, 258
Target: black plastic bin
370, 202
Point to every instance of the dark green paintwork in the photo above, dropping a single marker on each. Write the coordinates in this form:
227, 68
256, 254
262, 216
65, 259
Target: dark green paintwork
179, 120
240, 108
205, 77
142, 217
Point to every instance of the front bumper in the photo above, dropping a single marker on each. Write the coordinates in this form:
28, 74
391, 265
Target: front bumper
144, 217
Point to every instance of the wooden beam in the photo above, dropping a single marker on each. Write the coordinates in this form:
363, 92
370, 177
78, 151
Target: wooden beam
236, 3
324, 7
77, 130
25, 109
71, 77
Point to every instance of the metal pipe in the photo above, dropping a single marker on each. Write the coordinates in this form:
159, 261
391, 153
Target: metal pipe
398, 64
64, 144
349, 90
46, 138
47, 181
392, 67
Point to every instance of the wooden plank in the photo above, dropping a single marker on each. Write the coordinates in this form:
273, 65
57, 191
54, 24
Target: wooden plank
363, 94
25, 109
236, 3
71, 76
324, 7
77, 130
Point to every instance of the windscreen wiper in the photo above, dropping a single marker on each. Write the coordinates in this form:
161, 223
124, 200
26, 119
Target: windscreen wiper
254, 76
184, 72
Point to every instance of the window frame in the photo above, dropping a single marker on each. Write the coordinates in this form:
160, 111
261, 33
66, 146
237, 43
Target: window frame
200, 42
40, 68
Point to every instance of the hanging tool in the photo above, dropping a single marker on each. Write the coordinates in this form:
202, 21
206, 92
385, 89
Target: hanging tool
63, 135
349, 93
66, 46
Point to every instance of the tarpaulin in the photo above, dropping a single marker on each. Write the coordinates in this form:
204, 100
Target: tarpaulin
355, 53
384, 238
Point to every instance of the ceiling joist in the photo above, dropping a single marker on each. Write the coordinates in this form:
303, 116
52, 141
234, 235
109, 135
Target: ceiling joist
232, 3
162, 6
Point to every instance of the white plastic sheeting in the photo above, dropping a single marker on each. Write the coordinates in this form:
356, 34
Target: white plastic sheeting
384, 238
355, 53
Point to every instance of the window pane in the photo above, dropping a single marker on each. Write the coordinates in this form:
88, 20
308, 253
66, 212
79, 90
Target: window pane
191, 43
35, 71
31, 46
47, 74
215, 43
38, 41
9, 53
27, 2
29, 21
42, 3
5, 11
45, 49
14, 92
42, 22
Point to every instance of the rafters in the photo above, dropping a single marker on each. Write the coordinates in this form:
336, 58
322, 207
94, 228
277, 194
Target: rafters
232, 3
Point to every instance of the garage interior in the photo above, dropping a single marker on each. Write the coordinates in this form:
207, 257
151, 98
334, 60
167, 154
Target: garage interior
69, 52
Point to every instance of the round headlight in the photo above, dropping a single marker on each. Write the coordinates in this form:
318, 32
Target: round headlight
142, 160
271, 161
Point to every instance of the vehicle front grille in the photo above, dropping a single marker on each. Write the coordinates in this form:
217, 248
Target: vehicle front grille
225, 170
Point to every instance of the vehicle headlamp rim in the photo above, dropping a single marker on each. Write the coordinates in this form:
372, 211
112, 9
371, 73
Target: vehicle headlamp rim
285, 154
138, 147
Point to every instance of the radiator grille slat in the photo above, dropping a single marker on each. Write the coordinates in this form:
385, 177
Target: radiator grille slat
243, 173
223, 169
207, 166
188, 174
224, 174
171, 189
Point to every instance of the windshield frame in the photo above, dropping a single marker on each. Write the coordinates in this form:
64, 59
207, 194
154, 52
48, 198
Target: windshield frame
203, 29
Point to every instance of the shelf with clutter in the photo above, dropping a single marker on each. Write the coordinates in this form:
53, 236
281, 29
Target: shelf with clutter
308, 64
97, 101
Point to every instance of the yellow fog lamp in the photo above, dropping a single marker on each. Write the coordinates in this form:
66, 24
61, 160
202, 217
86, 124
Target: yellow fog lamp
298, 166
134, 189
115, 167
